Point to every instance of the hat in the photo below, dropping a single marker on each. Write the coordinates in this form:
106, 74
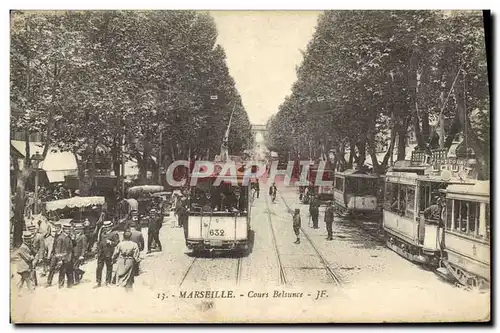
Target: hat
31, 227
66, 226
153, 210
57, 224
27, 235
107, 224
79, 226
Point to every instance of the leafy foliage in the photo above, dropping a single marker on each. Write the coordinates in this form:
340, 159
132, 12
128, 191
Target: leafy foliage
369, 77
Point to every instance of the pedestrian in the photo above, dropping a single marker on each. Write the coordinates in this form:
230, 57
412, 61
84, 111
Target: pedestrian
52, 257
126, 255
179, 203
272, 191
296, 225
38, 246
183, 217
25, 263
257, 187
80, 251
88, 232
138, 238
153, 231
329, 214
63, 247
314, 211
105, 247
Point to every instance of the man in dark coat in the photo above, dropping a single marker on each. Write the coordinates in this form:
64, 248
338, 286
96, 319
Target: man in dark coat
80, 251
38, 246
329, 214
25, 263
154, 230
314, 211
64, 255
106, 244
296, 225
136, 237
52, 256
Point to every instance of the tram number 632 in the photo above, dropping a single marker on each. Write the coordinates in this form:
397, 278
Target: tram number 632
216, 232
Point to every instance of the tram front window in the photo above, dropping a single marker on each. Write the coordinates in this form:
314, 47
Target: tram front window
391, 196
222, 198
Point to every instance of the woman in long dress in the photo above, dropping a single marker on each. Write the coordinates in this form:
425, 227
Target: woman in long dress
126, 256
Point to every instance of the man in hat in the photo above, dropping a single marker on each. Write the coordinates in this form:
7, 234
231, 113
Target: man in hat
80, 250
433, 212
136, 237
38, 246
88, 232
52, 256
314, 211
329, 214
106, 244
296, 225
63, 247
153, 230
25, 263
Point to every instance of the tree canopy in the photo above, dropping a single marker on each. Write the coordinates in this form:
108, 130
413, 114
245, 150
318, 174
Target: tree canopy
369, 77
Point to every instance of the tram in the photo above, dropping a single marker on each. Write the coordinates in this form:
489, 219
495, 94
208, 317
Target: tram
467, 234
356, 192
219, 214
323, 192
410, 188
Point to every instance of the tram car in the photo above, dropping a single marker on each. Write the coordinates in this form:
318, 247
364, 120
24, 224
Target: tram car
219, 214
356, 193
467, 234
323, 192
410, 188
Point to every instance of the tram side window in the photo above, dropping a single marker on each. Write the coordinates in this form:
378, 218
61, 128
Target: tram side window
410, 201
487, 216
466, 217
473, 219
449, 210
391, 196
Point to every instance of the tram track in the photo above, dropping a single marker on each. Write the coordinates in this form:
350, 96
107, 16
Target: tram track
190, 267
329, 271
282, 275
196, 261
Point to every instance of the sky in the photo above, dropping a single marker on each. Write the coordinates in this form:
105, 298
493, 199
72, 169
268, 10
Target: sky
263, 50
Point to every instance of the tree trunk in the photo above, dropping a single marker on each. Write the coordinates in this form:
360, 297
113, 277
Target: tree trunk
19, 203
401, 145
481, 149
116, 156
362, 153
454, 130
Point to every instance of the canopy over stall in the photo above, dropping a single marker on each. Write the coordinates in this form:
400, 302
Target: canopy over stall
75, 202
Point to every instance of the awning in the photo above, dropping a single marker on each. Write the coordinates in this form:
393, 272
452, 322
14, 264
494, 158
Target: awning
74, 202
56, 176
54, 161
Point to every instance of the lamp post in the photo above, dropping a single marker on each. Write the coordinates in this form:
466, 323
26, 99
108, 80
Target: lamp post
36, 159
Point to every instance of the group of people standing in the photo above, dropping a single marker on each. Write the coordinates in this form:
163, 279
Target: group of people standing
314, 215
70, 251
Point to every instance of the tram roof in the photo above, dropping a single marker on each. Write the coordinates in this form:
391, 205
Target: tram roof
357, 174
480, 188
